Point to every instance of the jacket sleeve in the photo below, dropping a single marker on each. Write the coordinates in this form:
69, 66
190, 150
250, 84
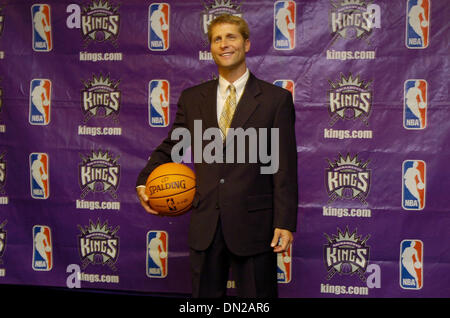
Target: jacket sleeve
285, 179
162, 154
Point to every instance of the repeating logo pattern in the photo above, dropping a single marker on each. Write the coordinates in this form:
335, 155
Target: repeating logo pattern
40, 101
2, 172
42, 248
42, 28
415, 104
348, 178
284, 266
159, 26
352, 19
349, 99
100, 22
411, 264
158, 103
39, 175
101, 93
157, 254
284, 25
99, 172
414, 184
417, 24
98, 244
346, 254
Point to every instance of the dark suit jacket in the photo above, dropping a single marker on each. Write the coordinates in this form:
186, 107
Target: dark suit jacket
250, 204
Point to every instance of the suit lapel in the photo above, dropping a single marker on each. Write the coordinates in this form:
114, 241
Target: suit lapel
208, 107
245, 108
247, 104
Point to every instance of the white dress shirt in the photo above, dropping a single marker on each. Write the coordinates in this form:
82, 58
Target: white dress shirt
223, 91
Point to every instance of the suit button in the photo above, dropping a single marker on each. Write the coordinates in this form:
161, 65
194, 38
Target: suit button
222, 181
217, 206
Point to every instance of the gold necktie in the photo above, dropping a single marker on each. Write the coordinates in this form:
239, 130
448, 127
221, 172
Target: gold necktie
228, 110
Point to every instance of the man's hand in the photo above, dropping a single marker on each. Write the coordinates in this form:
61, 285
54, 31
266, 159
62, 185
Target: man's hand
281, 241
144, 200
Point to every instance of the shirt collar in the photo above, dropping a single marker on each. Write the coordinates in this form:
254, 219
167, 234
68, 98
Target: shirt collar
239, 84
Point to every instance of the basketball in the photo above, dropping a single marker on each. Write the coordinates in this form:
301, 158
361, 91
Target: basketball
171, 189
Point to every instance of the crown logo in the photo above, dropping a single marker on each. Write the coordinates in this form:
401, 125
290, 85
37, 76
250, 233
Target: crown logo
347, 240
348, 162
349, 3
350, 81
99, 156
222, 4
100, 7
98, 230
101, 83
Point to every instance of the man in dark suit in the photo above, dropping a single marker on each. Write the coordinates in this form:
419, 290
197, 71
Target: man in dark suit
240, 216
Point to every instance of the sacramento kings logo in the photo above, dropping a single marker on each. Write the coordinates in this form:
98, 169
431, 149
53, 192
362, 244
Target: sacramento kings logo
99, 172
347, 178
101, 93
346, 254
349, 99
98, 244
216, 8
100, 22
2, 172
353, 19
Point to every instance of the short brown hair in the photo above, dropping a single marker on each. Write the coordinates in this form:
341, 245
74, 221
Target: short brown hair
232, 19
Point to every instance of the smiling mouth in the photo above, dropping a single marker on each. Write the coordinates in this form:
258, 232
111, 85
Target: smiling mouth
226, 54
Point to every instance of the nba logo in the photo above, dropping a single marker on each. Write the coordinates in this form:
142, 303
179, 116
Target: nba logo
284, 25
411, 264
42, 248
286, 84
42, 28
417, 24
157, 251
39, 178
40, 101
284, 261
158, 26
415, 104
414, 185
158, 110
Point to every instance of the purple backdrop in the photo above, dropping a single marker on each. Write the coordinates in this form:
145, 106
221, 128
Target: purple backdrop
81, 83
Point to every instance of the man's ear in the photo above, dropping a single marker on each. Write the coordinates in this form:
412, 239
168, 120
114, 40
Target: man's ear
247, 45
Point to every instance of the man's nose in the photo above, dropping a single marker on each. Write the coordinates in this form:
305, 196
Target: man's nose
223, 43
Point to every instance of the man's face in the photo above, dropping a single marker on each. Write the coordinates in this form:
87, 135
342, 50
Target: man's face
228, 47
